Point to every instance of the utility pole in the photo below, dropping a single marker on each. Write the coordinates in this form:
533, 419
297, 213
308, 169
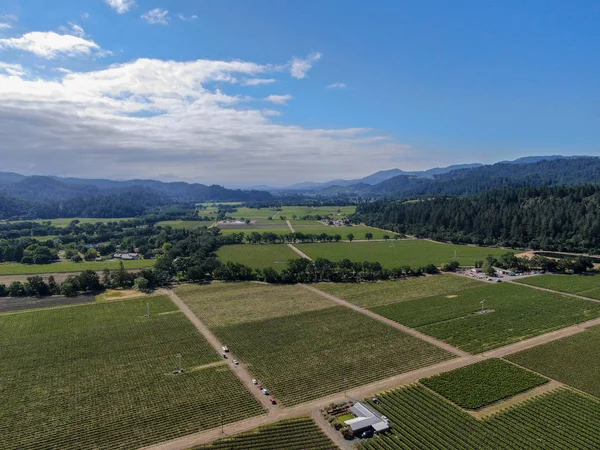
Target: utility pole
482, 305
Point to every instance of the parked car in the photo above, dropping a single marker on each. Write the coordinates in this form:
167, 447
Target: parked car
273, 401
236, 362
367, 434
266, 392
225, 349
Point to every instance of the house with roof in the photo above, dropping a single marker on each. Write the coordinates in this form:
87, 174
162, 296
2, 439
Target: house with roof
366, 419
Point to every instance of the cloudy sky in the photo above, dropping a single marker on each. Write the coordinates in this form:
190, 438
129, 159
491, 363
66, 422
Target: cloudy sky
276, 92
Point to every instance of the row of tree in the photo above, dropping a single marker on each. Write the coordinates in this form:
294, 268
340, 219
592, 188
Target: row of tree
554, 218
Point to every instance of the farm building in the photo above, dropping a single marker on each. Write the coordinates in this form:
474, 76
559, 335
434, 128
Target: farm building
366, 419
126, 256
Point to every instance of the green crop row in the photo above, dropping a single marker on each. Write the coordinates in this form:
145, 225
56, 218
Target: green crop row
486, 382
293, 434
561, 419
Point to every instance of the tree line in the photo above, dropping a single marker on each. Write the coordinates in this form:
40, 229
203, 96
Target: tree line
563, 219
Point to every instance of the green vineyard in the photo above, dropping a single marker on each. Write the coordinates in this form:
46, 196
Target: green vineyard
99, 376
292, 434
561, 419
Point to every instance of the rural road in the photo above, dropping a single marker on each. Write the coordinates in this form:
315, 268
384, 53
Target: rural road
441, 344
556, 292
241, 371
299, 252
312, 408
289, 224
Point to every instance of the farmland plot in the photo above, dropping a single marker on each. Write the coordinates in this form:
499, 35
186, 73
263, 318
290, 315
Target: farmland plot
292, 434
259, 256
392, 253
222, 304
99, 376
11, 268
485, 382
561, 419
515, 313
305, 356
585, 285
572, 360
384, 292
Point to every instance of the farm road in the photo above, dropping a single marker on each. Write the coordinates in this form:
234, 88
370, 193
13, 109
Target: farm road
557, 292
300, 252
307, 409
241, 371
441, 344
289, 224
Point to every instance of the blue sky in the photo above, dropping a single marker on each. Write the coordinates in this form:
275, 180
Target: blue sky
276, 92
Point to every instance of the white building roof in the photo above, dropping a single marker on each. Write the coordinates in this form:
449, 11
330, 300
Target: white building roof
365, 417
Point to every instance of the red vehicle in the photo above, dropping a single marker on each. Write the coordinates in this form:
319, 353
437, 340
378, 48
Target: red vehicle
260, 386
273, 401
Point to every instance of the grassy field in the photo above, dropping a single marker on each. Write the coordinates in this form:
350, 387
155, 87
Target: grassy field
384, 292
560, 420
292, 434
224, 304
337, 212
45, 238
572, 360
275, 226
99, 376
399, 253
518, 313
301, 357
189, 224
59, 267
586, 285
258, 256
255, 213
482, 383
67, 221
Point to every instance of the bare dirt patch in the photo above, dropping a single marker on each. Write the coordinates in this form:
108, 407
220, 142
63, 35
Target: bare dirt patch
119, 294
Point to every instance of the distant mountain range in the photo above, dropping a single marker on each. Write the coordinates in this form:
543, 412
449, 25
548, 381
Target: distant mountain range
526, 172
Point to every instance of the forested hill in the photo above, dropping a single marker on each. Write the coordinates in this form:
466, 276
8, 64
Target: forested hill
49, 198
559, 172
550, 218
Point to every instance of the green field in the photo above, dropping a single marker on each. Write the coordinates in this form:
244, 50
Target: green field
304, 356
384, 292
586, 285
336, 212
45, 238
255, 213
61, 267
572, 360
560, 420
483, 383
220, 304
277, 227
291, 434
519, 312
259, 256
99, 376
358, 231
189, 224
67, 221
390, 254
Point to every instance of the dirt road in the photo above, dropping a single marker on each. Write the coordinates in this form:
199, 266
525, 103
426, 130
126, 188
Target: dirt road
240, 370
302, 254
289, 224
556, 292
441, 344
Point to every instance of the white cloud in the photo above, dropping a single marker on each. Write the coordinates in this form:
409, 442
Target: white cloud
157, 16
164, 119
121, 6
299, 66
257, 81
336, 86
5, 26
12, 69
188, 18
73, 29
279, 99
85, 15
50, 44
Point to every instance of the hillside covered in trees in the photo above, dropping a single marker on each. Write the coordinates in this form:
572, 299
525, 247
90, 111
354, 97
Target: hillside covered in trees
550, 218
471, 181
